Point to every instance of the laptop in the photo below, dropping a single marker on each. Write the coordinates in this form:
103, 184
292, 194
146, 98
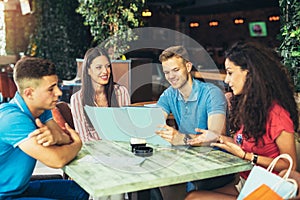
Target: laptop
124, 123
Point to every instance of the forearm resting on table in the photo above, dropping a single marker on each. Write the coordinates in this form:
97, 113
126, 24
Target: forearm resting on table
59, 156
55, 156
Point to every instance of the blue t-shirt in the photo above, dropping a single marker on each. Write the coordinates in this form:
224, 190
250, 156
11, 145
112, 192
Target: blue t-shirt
205, 99
16, 167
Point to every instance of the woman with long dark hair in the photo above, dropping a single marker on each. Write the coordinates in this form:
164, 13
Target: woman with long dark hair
98, 89
263, 115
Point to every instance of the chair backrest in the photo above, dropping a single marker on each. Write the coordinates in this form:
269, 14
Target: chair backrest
62, 113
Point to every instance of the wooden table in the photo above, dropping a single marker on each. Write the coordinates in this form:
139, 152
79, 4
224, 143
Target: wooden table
106, 168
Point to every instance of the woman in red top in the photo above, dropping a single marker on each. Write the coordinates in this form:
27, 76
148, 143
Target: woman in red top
263, 115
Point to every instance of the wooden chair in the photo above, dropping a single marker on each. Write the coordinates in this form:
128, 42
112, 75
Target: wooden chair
62, 114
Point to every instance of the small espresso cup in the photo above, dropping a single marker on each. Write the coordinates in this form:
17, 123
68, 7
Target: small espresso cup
137, 142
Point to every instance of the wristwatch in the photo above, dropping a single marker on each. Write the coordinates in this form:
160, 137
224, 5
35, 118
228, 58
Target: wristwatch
254, 159
186, 138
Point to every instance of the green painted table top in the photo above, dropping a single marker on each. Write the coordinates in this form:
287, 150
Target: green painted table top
106, 168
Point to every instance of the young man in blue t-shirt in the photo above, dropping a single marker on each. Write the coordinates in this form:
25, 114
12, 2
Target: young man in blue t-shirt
28, 134
195, 105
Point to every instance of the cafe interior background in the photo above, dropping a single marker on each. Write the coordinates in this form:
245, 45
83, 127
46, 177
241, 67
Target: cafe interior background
48, 28
61, 31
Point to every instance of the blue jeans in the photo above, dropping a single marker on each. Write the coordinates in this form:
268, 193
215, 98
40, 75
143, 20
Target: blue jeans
52, 189
210, 183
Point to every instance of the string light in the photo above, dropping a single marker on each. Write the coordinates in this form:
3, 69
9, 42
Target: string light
274, 18
213, 23
194, 24
239, 21
147, 13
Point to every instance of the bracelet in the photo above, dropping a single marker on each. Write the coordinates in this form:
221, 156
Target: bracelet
254, 159
244, 155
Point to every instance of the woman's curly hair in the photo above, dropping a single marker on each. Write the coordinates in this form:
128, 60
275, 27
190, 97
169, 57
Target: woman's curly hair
267, 82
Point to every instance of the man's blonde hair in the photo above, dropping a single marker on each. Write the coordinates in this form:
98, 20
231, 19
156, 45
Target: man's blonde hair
174, 51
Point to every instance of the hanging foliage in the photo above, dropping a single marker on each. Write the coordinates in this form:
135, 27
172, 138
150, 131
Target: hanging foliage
107, 18
290, 32
60, 35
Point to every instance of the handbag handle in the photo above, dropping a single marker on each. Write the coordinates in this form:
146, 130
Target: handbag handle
275, 160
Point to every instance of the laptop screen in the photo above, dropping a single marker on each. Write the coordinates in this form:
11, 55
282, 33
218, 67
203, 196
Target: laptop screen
124, 123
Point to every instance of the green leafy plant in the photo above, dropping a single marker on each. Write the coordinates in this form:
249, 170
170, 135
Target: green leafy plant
290, 34
107, 18
59, 35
